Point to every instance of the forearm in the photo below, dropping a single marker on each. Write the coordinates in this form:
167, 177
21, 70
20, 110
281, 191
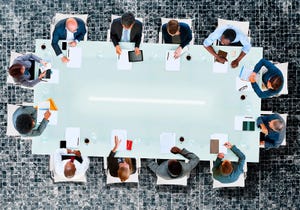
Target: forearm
241, 56
238, 153
30, 83
211, 50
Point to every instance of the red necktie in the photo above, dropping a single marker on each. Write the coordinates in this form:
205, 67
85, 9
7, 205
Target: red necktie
72, 159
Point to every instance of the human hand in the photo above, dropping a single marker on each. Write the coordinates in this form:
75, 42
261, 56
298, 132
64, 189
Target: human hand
221, 155
47, 115
235, 63
228, 145
264, 129
262, 143
252, 77
118, 50
175, 150
137, 51
177, 52
42, 75
77, 153
44, 63
221, 59
72, 44
64, 59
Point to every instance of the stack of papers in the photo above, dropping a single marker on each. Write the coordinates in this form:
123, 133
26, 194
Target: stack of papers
42, 108
75, 56
220, 67
222, 137
172, 64
122, 135
245, 73
167, 141
72, 136
123, 61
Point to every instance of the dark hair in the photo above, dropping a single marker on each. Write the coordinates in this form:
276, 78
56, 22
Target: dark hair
173, 26
15, 70
127, 19
276, 82
24, 123
229, 34
174, 168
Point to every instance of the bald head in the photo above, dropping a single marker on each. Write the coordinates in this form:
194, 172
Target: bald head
71, 25
69, 169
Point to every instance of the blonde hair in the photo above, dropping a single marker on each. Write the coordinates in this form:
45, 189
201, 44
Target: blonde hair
124, 173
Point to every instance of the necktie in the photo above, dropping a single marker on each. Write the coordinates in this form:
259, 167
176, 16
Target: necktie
126, 36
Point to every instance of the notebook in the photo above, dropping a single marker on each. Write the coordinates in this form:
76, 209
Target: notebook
214, 146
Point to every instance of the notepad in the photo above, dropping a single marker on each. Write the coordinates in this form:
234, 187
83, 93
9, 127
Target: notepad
42, 108
122, 135
214, 146
244, 123
220, 67
167, 141
172, 64
123, 61
222, 138
72, 136
75, 56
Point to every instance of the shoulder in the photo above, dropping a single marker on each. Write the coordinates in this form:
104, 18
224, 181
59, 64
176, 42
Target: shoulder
80, 22
138, 24
184, 26
61, 24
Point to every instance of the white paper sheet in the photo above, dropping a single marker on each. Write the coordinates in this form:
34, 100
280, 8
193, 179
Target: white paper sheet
242, 85
75, 56
172, 64
123, 61
72, 136
42, 108
122, 135
220, 67
245, 72
167, 141
238, 121
223, 137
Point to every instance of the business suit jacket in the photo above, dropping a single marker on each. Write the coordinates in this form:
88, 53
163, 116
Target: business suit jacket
60, 33
39, 128
25, 60
113, 165
135, 33
162, 169
237, 167
185, 34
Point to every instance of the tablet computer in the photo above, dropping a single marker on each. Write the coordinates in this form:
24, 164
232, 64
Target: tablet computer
135, 58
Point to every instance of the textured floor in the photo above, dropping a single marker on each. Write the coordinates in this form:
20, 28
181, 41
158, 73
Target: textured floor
274, 183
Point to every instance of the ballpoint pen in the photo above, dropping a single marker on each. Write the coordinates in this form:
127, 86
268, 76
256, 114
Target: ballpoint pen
77, 141
68, 53
168, 56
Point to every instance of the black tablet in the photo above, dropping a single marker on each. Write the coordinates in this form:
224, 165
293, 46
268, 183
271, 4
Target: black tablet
135, 58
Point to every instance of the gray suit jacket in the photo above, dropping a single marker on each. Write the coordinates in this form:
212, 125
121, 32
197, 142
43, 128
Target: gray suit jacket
39, 128
162, 169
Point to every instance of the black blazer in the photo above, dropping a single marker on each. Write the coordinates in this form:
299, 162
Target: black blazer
185, 34
135, 33
60, 33
113, 165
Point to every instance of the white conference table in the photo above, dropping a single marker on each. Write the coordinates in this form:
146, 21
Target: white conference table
147, 100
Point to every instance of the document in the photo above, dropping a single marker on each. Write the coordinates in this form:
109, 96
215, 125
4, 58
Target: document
245, 72
222, 137
167, 141
172, 64
220, 67
72, 136
42, 108
75, 56
123, 61
244, 123
242, 85
122, 135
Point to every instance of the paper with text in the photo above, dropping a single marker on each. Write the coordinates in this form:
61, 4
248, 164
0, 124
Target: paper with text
75, 56
42, 108
223, 137
220, 67
172, 64
167, 141
72, 136
122, 135
123, 61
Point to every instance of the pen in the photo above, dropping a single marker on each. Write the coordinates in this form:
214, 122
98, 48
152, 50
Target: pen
77, 141
43, 109
168, 56
118, 57
44, 80
243, 88
249, 117
68, 52
241, 71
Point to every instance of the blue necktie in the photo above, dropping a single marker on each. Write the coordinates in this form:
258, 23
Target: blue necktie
126, 35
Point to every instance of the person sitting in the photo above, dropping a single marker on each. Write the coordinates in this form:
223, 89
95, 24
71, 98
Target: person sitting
225, 171
228, 35
22, 70
177, 33
120, 167
272, 129
272, 79
172, 169
25, 121
69, 163
126, 29
71, 29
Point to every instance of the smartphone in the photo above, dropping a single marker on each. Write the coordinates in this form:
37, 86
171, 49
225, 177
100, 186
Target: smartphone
63, 144
64, 45
48, 74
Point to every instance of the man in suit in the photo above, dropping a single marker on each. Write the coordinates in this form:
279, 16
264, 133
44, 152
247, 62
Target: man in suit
172, 169
69, 163
126, 29
177, 33
225, 171
25, 121
70, 29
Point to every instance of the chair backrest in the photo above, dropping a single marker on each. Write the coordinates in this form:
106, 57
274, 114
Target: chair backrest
57, 178
242, 25
10, 129
179, 181
240, 182
60, 16
13, 56
283, 67
118, 16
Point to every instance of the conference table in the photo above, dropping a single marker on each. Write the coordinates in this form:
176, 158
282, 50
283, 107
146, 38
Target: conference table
146, 101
